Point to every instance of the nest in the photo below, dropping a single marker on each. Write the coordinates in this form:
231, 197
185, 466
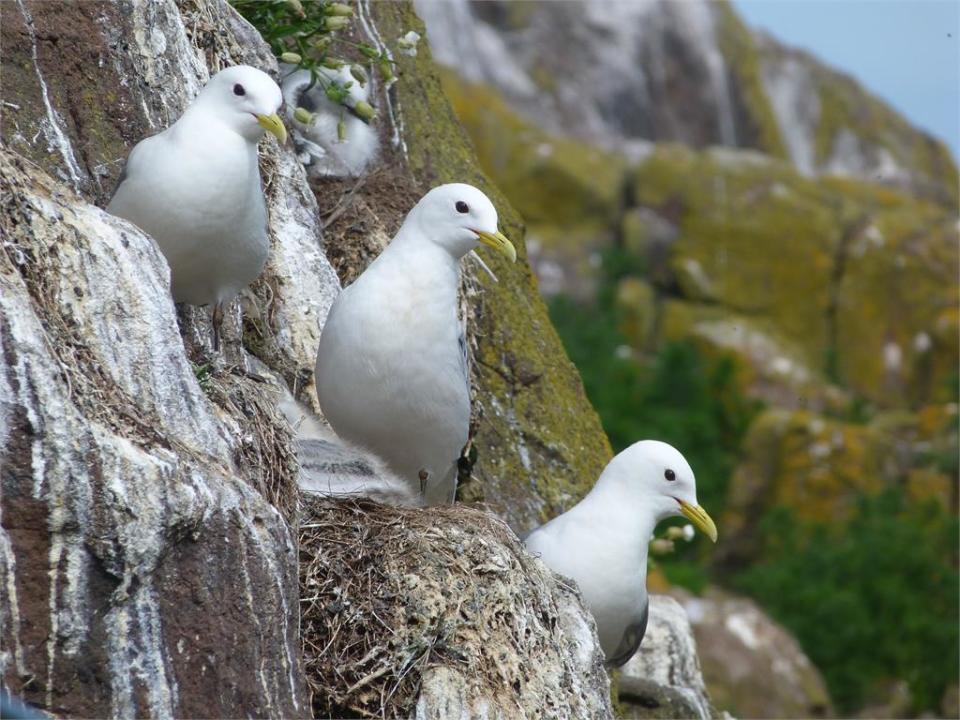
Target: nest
264, 447
388, 594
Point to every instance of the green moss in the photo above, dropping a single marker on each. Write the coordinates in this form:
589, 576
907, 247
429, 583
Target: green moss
739, 49
815, 467
746, 228
539, 430
550, 180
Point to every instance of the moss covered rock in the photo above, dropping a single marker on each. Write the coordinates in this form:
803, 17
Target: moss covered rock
551, 180
771, 368
810, 263
816, 467
565, 190
855, 277
819, 468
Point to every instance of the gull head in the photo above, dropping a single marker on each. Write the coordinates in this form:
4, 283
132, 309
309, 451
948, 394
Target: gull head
246, 99
658, 479
458, 217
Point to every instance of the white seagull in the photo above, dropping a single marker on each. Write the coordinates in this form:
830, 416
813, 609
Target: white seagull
392, 368
602, 541
195, 187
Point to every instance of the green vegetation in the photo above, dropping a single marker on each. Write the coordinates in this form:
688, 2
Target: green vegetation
305, 34
203, 373
874, 600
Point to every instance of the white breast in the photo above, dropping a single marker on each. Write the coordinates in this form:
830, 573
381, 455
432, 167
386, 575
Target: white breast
389, 373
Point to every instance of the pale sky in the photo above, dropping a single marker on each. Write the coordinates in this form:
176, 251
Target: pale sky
903, 51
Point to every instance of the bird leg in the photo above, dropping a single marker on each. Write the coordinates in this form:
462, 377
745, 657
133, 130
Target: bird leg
468, 456
217, 323
423, 480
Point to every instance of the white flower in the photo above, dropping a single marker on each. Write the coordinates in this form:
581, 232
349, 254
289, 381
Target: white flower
688, 532
408, 43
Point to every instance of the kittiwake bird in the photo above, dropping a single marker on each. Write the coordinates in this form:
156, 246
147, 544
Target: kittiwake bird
322, 147
391, 371
195, 187
602, 541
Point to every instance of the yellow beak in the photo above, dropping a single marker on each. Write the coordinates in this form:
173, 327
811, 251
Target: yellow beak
499, 242
273, 125
698, 516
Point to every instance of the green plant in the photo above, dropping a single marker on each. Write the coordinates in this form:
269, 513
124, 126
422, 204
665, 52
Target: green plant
687, 574
873, 600
305, 34
204, 373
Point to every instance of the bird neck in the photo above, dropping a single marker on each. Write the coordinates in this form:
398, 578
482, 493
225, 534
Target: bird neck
409, 244
197, 122
632, 523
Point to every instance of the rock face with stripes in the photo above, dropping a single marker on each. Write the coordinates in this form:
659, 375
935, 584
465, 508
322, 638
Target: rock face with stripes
148, 567
143, 574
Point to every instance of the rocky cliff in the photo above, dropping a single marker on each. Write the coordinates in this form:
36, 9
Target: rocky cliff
698, 191
149, 504
621, 73
720, 234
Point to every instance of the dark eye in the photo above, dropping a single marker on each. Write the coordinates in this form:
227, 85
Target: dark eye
462, 207
670, 475
238, 89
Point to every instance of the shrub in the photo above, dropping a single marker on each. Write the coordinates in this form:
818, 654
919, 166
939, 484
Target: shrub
874, 600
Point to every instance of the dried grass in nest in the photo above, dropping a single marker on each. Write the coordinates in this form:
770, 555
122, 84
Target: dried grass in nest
266, 457
388, 592
360, 215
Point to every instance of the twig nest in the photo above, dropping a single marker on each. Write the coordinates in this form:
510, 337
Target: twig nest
439, 612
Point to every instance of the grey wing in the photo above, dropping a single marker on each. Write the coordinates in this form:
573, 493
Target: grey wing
630, 642
464, 359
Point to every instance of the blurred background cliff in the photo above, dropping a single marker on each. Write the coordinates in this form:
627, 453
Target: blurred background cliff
751, 256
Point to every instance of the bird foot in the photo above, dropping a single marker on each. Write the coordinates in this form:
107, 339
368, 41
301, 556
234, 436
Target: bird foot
217, 323
423, 480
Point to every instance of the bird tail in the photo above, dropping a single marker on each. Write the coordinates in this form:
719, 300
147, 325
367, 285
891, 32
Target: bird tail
332, 467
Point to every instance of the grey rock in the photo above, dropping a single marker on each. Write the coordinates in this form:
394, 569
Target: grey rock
615, 68
752, 665
613, 73
664, 679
